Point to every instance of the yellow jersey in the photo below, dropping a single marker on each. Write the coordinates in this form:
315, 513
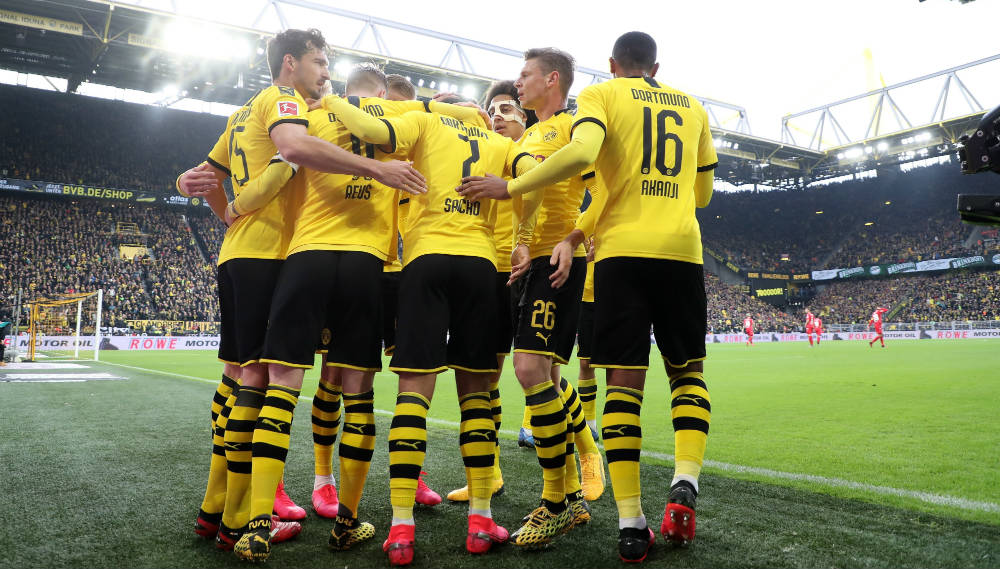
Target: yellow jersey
657, 139
560, 205
243, 151
341, 212
503, 234
445, 150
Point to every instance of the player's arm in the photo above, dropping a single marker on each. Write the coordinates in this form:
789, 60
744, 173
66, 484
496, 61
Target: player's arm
361, 124
707, 162
580, 152
256, 193
525, 216
297, 146
587, 221
205, 181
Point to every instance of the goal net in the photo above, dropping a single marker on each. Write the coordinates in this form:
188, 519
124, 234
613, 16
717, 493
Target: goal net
67, 327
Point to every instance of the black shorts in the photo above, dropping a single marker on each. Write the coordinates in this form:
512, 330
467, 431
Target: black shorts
447, 315
327, 295
246, 287
390, 309
632, 293
585, 331
507, 309
547, 317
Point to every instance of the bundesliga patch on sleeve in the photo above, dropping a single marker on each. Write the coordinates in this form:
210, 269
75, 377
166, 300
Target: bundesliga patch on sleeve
288, 108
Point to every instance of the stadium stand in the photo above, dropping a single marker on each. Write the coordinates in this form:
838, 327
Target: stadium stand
62, 245
919, 222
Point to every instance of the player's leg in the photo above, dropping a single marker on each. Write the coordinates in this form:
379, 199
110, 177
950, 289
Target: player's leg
586, 383
472, 351
253, 284
326, 416
214, 501
420, 354
535, 347
622, 321
294, 324
505, 324
680, 311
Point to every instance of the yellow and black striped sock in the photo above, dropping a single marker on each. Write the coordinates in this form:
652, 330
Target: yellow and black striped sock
497, 417
477, 441
222, 393
548, 425
587, 388
270, 447
325, 426
622, 442
357, 445
407, 448
238, 441
577, 421
691, 410
215, 491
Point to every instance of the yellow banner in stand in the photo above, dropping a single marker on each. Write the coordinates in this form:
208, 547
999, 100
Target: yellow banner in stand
41, 22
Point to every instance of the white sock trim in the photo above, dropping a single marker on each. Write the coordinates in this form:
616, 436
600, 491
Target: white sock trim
486, 513
686, 478
637, 523
403, 522
323, 480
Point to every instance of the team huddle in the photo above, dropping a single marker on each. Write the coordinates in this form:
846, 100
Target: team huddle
449, 236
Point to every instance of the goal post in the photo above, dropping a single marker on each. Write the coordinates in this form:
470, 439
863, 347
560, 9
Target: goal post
59, 327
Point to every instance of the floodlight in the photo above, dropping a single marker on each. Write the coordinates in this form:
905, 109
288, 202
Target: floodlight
469, 92
882, 146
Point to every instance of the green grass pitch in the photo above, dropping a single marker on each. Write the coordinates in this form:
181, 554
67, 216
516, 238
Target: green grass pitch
839, 455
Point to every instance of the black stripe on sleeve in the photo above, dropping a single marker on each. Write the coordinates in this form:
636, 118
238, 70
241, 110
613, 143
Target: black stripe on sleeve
588, 176
219, 166
427, 106
392, 136
354, 100
651, 82
589, 119
708, 167
513, 166
404, 201
302, 122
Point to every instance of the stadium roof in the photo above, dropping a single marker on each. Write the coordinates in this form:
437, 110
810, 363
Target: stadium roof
146, 47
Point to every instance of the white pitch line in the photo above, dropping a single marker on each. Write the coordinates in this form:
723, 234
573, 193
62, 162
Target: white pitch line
936, 499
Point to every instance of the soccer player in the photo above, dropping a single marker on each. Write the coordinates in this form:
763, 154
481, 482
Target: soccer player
398, 88
448, 251
329, 288
655, 157
507, 119
587, 380
748, 329
876, 321
256, 437
810, 326
818, 328
548, 315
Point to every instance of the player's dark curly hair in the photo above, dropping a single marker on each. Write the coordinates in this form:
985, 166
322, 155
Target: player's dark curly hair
507, 88
294, 42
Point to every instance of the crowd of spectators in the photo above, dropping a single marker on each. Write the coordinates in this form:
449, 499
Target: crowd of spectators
97, 142
56, 247
892, 218
728, 305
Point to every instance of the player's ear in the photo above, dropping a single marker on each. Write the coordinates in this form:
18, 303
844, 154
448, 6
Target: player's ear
654, 69
380, 93
612, 65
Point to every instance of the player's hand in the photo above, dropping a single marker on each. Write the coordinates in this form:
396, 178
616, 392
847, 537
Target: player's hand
445, 95
198, 181
314, 103
520, 262
402, 176
482, 112
591, 250
562, 260
478, 187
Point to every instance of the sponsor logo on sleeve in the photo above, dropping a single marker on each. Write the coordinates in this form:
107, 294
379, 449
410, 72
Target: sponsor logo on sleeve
288, 108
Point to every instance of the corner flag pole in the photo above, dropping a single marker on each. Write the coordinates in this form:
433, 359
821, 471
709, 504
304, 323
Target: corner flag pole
97, 325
